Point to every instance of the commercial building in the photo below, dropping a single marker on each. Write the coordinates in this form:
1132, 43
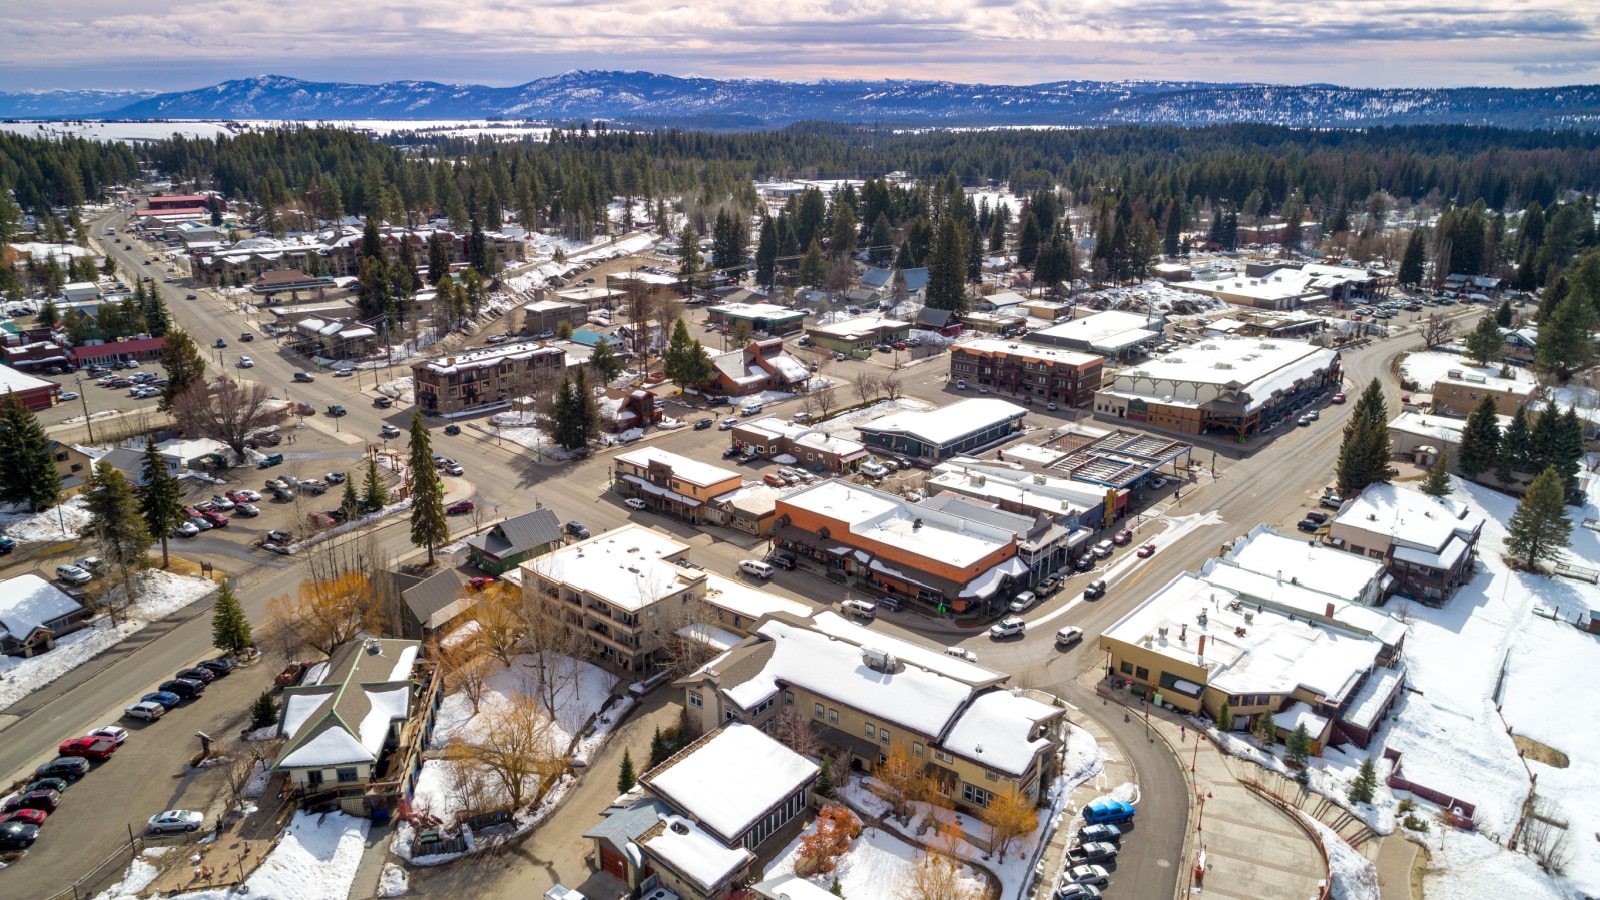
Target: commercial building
546, 316
1230, 387
1286, 286
35, 393
139, 349
292, 282
1461, 390
485, 379
858, 335
356, 726
34, 613
886, 544
670, 484
762, 366
952, 718
935, 434
751, 508
1313, 565
771, 437
1265, 646
763, 318
1052, 374
1429, 544
1421, 436
515, 541
1111, 333
336, 338
1021, 490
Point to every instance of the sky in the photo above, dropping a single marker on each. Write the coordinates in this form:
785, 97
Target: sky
184, 44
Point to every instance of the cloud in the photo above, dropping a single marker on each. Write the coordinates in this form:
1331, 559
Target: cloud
173, 44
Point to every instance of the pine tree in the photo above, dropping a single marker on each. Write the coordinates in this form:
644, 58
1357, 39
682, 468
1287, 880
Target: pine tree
230, 630
1438, 481
1565, 342
403, 274
604, 362
767, 252
1540, 528
1297, 750
1413, 262
947, 288
184, 365
48, 316
658, 749
1365, 786
1503, 315
566, 417
1568, 456
685, 361
479, 254
814, 267
264, 711
429, 525
157, 318
1224, 718
689, 259
1480, 439
350, 502
626, 777
438, 258
27, 464
115, 526
1483, 343
836, 888
1028, 238
160, 497
373, 493
1517, 447
824, 783
1265, 729
880, 252
1366, 449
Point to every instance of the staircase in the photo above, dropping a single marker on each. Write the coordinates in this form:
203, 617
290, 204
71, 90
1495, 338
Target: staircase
1354, 831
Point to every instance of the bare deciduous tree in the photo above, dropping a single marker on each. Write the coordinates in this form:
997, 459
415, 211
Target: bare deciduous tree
792, 728
1437, 329
226, 411
501, 623
554, 636
327, 612
892, 387
1544, 836
463, 666
936, 875
867, 387
516, 743
821, 400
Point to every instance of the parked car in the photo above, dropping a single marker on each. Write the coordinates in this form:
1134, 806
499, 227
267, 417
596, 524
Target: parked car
1008, 627
479, 582
782, 560
775, 480
291, 674
186, 688
861, 609
221, 665
146, 710
26, 815
1108, 812
166, 699
386, 402
755, 567
1092, 852
1102, 550
113, 733
1084, 563
1109, 834
7, 545
1047, 586
1158, 482
217, 520
198, 673
1095, 589
59, 785
454, 468
1023, 601
1337, 398
68, 768
635, 503
1308, 525
1146, 551
17, 835
1092, 875
72, 574
576, 530
69, 395
1122, 537
177, 820
1070, 891
248, 510
278, 534
460, 507
42, 799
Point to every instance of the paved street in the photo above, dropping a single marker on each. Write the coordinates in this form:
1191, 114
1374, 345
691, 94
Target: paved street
1270, 484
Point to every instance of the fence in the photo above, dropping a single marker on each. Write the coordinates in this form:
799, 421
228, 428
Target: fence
1461, 807
1294, 813
112, 867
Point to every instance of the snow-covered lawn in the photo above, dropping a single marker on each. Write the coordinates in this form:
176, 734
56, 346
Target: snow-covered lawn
316, 859
1426, 368
161, 593
874, 867
47, 525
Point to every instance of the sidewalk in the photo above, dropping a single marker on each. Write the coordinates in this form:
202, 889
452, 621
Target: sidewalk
1115, 770
1254, 851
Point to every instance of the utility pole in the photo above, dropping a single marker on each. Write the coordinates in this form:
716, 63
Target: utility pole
87, 422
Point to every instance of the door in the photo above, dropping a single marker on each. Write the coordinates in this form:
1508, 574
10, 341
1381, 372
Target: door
612, 864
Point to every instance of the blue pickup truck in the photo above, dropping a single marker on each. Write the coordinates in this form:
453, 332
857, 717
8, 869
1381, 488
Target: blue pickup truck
1105, 812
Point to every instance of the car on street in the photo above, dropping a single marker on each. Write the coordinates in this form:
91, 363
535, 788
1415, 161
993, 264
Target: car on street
703, 424
576, 529
1338, 398
1095, 589
635, 503
454, 468
1010, 626
386, 402
336, 410
176, 820
1094, 875
1122, 537
1102, 550
70, 395
146, 710
1069, 636
244, 336
220, 343
1024, 601
246, 362
343, 373
727, 423
167, 699
1146, 551
452, 430
460, 507
389, 431
69, 768
1158, 482
73, 575
17, 835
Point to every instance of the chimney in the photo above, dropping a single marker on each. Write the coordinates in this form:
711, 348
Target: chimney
1329, 611
450, 361
1202, 651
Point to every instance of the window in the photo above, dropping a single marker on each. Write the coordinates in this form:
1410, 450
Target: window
833, 715
819, 709
1375, 553
728, 715
62, 456
1126, 668
942, 756
916, 748
1141, 673
883, 735
77, 467
975, 795
992, 776
347, 776
871, 731
788, 698
314, 776
695, 700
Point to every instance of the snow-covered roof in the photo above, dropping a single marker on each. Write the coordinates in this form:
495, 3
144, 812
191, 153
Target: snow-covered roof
494, 356
947, 424
1429, 367
718, 639
1311, 564
696, 855
1374, 695
1434, 427
1029, 352
1095, 329
345, 719
28, 603
756, 311
626, 567
1274, 654
893, 521
935, 660
1261, 367
791, 887
731, 779
859, 327
1409, 517
806, 435
1443, 560
13, 380
1300, 713
743, 600
999, 730
683, 468
1290, 597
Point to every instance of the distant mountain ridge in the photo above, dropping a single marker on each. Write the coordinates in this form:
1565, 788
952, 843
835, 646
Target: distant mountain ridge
648, 98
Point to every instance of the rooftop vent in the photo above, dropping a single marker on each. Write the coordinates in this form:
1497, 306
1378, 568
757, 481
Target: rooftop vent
373, 646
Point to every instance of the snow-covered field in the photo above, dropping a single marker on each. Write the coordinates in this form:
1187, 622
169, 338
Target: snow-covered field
117, 131
1426, 368
72, 516
316, 859
162, 593
1149, 295
874, 867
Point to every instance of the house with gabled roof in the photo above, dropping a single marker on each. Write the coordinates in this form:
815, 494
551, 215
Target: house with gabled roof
514, 541
34, 613
357, 729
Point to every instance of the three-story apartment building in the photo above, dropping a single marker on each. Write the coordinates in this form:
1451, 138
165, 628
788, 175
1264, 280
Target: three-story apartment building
1052, 374
483, 378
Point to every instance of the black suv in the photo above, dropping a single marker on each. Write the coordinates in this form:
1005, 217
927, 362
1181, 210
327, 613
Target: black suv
69, 768
186, 688
1095, 589
782, 560
221, 666
197, 673
17, 835
577, 530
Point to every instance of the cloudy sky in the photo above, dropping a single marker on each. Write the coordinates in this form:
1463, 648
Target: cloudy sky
177, 44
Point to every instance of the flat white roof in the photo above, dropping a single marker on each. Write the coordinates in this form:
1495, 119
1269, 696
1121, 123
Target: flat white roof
1094, 329
1410, 518
890, 520
996, 729
1032, 352
12, 380
1263, 366
733, 779
1312, 564
683, 468
756, 310
1274, 655
947, 423
747, 601
1298, 597
491, 356
702, 858
860, 325
807, 435
625, 567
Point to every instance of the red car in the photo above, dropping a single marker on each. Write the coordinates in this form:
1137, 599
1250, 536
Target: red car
1122, 537
192, 513
217, 520
1147, 550
459, 507
26, 816
480, 582
1338, 398
88, 747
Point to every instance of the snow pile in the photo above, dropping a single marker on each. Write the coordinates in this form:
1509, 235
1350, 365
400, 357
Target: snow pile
1149, 295
400, 389
596, 737
316, 859
392, 882
162, 593
138, 877
347, 527
876, 865
260, 774
1354, 876
508, 419
73, 515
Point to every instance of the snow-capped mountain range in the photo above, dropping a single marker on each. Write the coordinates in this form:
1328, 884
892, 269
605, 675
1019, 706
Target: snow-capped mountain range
646, 98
